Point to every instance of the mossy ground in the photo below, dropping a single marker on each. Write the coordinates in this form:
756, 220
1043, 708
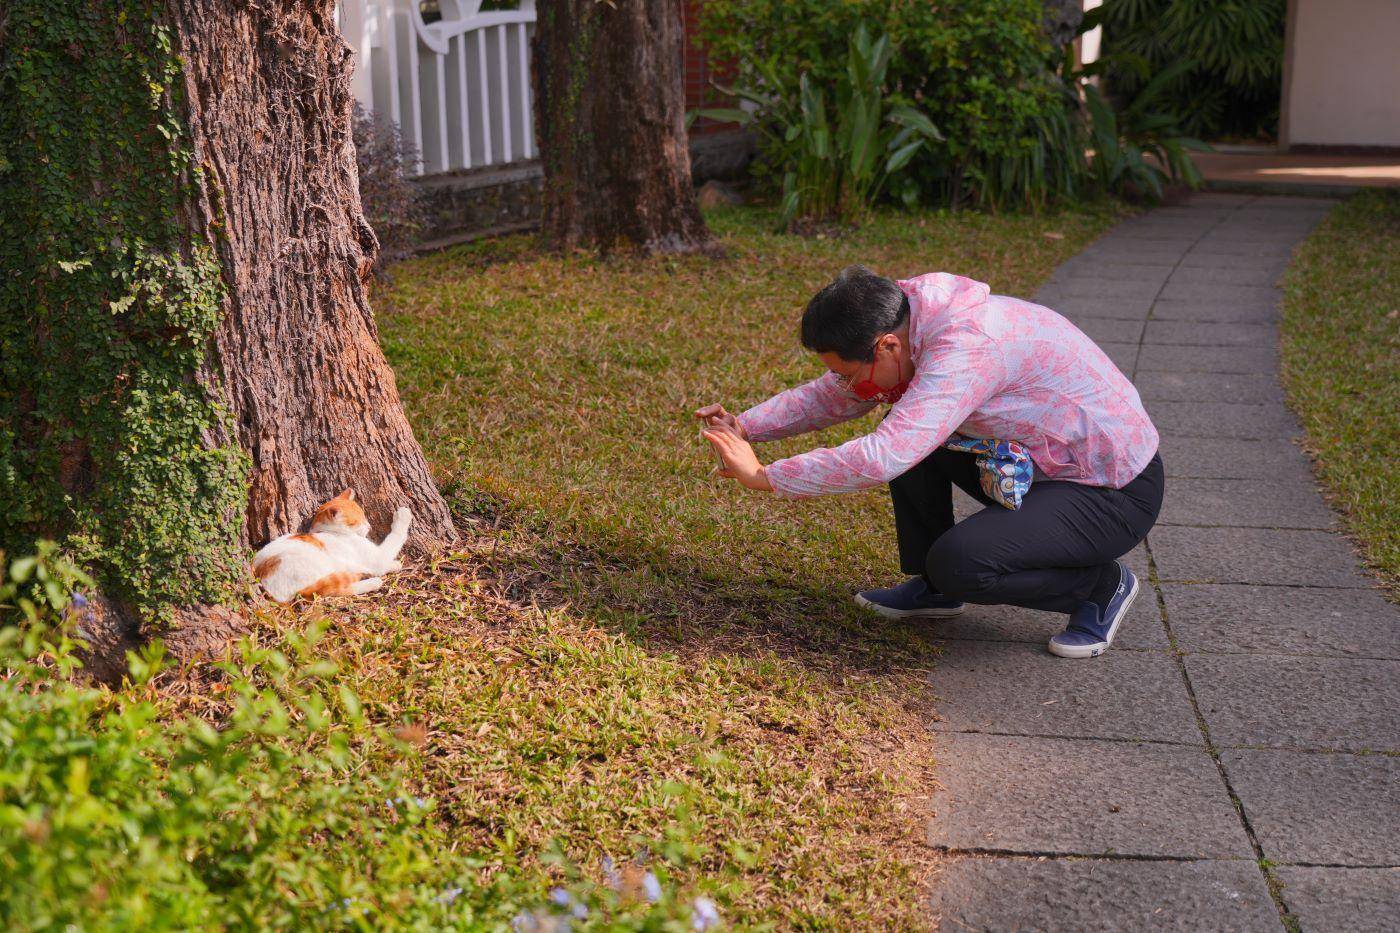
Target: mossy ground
1341, 366
625, 652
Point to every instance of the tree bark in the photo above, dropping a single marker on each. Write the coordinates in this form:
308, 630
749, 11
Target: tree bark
188, 362
610, 117
297, 357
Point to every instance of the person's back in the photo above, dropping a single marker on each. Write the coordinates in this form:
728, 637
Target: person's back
1057, 384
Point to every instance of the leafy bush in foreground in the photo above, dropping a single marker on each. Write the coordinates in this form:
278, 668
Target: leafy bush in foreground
116, 814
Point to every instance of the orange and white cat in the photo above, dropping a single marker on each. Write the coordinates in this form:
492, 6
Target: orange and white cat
336, 559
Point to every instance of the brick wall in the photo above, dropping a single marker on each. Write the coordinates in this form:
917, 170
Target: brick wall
699, 73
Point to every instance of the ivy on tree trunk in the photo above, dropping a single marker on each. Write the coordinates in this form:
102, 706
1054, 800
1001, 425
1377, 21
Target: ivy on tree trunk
188, 362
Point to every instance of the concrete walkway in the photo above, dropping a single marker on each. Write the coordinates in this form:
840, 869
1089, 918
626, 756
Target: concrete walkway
1231, 762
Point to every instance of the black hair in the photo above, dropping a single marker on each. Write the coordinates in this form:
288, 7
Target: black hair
849, 315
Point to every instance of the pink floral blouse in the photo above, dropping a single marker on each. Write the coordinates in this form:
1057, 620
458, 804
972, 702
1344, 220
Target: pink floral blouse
984, 366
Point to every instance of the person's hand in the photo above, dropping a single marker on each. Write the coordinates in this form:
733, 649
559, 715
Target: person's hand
740, 462
713, 415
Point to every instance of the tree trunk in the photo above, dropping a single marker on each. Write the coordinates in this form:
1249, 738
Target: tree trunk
610, 117
188, 362
268, 99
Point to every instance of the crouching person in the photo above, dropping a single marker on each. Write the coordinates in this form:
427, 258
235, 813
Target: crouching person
1003, 398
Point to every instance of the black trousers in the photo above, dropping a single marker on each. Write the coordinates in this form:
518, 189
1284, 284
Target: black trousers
1051, 553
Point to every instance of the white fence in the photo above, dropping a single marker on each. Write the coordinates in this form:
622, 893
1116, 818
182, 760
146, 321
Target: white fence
455, 78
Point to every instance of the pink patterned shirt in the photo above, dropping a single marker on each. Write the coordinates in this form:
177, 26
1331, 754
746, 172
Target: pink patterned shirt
984, 366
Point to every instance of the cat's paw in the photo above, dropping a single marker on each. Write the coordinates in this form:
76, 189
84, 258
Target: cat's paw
402, 518
392, 567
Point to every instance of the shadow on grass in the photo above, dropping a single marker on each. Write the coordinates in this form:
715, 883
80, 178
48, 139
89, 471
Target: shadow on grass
666, 604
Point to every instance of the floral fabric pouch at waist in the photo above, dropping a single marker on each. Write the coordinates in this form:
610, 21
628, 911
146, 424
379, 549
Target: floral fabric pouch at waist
1005, 468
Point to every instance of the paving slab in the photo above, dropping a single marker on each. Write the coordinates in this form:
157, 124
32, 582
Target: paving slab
1103, 330
1214, 334
1197, 259
1141, 630
1140, 251
1260, 229
1206, 311
1356, 900
1013, 794
1089, 286
1291, 202
1288, 620
1241, 503
1215, 200
1132, 309
1346, 704
1173, 358
1233, 458
1108, 268
1182, 288
1237, 274
1263, 421
1254, 555
1248, 388
1292, 217
1020, 689
1253, 248
1122, 355
1254, 231
1197, 222
1102, 895
1319, 808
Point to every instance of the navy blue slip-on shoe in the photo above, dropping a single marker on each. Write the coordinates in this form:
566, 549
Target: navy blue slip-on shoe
1091, 628
911, 599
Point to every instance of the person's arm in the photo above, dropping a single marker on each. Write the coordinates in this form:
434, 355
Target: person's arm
808, 407
955, 383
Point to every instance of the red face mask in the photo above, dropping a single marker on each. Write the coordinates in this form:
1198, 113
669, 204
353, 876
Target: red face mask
867, 391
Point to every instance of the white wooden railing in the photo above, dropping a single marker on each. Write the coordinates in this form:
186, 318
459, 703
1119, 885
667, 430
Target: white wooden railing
457, 86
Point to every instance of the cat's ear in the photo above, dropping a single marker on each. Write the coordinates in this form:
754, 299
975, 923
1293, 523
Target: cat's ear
347, 494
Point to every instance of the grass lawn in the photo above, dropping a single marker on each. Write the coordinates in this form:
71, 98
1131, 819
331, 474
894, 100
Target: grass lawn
1341, 366
626, 653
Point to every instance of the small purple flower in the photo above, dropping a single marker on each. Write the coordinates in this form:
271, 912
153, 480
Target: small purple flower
563, 898
652, 887
449, 895
407, 802
79, 600
704, 914
611, 875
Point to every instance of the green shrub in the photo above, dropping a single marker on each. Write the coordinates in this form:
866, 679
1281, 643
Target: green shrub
1235, 50
836, 161
279, 806
983, 71
1123, 139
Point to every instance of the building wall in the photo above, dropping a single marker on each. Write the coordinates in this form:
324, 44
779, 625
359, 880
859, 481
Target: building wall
1342, 74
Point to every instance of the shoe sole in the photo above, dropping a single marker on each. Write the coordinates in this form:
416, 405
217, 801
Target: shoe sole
1093, 651
889, 613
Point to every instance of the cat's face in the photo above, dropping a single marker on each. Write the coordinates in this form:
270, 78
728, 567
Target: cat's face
341, 514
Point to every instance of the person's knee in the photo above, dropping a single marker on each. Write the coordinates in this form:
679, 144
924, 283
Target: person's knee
955, 571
